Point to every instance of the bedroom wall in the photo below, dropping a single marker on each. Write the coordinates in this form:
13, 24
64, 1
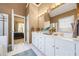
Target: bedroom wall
19, 8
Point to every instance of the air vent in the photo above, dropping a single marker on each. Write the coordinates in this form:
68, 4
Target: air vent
37, 3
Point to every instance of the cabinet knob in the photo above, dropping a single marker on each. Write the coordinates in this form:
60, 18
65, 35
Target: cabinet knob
57, 47
53, 46
40, 37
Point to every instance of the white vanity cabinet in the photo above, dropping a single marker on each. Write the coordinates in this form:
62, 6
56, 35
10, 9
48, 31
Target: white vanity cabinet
55, 45
49, 46
64, 47
77, 48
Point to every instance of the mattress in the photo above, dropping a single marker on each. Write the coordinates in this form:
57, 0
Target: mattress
18, 35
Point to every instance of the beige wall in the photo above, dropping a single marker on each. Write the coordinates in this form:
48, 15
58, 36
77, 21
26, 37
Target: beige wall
33, 23
18, 8
36, 21
33, 12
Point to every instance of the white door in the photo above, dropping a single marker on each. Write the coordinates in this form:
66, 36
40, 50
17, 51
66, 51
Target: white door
64, 47
12, 29
49, 46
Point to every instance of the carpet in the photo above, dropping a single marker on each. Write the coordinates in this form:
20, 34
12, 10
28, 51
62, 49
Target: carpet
26, 53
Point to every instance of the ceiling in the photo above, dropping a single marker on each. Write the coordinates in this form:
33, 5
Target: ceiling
44, 7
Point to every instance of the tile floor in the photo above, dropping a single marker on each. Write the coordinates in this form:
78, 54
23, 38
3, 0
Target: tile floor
17, 41
18, 48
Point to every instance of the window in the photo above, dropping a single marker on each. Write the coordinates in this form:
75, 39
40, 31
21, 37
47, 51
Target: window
21, 27
65, 24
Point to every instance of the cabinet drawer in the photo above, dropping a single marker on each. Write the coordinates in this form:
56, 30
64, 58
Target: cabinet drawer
64, 48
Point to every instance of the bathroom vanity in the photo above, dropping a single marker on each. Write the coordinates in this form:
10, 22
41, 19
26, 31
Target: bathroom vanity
52, 45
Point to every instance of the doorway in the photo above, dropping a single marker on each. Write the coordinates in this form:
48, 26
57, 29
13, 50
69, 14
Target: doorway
18, 29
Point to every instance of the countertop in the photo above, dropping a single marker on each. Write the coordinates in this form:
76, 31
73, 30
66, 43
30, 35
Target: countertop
59, 36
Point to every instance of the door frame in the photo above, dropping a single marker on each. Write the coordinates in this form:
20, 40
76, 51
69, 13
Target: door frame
13, 15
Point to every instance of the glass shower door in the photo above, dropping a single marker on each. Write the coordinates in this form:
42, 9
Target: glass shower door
3, 34
1, 25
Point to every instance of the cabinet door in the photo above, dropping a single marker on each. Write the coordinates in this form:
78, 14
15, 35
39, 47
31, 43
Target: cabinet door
49, 46
37, 41
41, 44
64, 47
77, 48
33, 40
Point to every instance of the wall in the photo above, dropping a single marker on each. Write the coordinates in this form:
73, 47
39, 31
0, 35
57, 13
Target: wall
33, 12
33, 20
19, 8
36, 21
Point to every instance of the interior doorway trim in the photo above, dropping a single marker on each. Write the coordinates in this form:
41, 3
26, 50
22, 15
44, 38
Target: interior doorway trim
13, 15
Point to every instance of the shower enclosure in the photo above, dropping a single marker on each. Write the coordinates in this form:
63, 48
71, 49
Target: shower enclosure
3, 34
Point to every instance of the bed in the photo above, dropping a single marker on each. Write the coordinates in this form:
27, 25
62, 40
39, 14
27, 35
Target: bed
18, 35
